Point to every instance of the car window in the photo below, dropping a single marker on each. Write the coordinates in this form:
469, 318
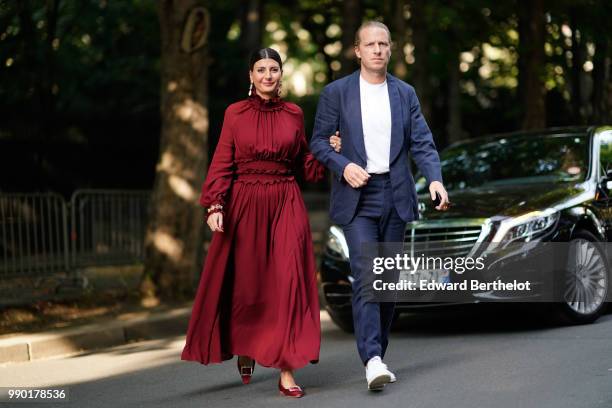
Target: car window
605, 153
514, 160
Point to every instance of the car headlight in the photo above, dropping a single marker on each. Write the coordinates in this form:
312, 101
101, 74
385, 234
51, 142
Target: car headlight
336, 243
526, 227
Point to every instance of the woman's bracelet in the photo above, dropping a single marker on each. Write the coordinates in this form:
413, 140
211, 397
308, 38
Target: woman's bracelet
215, 208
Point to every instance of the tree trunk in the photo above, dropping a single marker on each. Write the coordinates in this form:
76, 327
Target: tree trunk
454, 127
351, 20
601, 80
532, 26
421, 72
47, 94
400, 39
250, 15
175, 231
578, 59
28, 52
251, 26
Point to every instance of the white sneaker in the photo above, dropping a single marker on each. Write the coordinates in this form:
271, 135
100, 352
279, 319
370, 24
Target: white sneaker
391, 374
377, 374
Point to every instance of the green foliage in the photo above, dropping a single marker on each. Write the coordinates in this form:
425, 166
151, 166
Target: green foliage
79, 81
103, 57
88, 71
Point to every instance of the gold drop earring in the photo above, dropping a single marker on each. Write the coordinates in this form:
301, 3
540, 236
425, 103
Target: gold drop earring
251, 88
278, 90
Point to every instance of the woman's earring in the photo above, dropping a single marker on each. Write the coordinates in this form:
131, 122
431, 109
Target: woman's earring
251, 89
278, 90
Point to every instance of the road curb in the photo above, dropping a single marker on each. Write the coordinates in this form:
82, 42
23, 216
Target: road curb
123, 329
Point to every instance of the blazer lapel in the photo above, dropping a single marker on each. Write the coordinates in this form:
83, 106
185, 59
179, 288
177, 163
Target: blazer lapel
397, 122
354, 119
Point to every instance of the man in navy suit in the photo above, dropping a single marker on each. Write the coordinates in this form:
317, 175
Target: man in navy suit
373, 194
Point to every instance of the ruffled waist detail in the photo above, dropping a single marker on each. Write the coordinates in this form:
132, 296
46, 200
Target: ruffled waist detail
264, 172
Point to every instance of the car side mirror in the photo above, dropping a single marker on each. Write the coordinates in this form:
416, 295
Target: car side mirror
608, 180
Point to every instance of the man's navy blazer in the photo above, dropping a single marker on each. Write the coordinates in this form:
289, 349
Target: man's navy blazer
339, 109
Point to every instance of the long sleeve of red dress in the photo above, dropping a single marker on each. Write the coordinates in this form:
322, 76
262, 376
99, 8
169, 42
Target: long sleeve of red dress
310, 168
221, 171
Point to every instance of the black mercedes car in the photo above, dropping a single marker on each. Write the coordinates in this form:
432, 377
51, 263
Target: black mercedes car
553, 186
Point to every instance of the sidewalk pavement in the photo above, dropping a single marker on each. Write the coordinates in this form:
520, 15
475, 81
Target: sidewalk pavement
107, 332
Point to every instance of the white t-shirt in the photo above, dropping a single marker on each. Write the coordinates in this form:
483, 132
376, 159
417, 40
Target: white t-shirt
376, 122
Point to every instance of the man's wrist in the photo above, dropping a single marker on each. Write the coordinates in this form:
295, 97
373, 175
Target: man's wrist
344, 166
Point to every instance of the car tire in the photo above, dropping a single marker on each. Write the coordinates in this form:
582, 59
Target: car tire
575, 312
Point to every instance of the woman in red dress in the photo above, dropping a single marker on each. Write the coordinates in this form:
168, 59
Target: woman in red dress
257, 297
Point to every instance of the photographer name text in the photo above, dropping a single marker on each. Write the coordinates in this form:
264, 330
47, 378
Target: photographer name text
472, 284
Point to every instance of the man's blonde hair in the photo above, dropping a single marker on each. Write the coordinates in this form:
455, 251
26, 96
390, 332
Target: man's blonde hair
371, 23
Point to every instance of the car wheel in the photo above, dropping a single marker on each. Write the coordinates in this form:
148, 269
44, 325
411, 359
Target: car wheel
586, 280
343, 320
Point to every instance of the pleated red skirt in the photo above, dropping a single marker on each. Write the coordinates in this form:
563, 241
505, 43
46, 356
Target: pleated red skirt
257, 294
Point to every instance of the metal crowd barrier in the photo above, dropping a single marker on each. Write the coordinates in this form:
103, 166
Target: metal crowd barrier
33, 235
41, 234
108, 227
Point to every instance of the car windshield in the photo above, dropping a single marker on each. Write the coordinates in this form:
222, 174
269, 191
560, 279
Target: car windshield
514, 160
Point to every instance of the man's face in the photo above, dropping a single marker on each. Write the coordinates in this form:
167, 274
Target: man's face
374, 49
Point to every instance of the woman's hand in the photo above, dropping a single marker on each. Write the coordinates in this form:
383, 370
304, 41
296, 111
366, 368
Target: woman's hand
335, 142
215, 222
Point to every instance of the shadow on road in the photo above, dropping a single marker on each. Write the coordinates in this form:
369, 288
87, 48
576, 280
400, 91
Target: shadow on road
480, 319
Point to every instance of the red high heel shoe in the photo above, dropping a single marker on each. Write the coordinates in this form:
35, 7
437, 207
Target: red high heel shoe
246, 371
293, 392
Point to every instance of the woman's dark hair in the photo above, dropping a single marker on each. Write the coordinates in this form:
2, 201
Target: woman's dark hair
263, 54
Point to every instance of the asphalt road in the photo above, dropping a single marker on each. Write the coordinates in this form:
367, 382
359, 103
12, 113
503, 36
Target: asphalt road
463, 358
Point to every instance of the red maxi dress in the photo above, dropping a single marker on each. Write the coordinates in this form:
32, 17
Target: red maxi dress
257, 294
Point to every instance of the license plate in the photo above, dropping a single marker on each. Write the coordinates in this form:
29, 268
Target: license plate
429, 275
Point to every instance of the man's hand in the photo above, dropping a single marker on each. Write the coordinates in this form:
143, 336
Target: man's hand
335, 142
355, 175
437, 187
215, 222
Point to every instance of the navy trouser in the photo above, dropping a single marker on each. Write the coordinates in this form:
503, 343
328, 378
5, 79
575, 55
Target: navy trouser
376, 220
